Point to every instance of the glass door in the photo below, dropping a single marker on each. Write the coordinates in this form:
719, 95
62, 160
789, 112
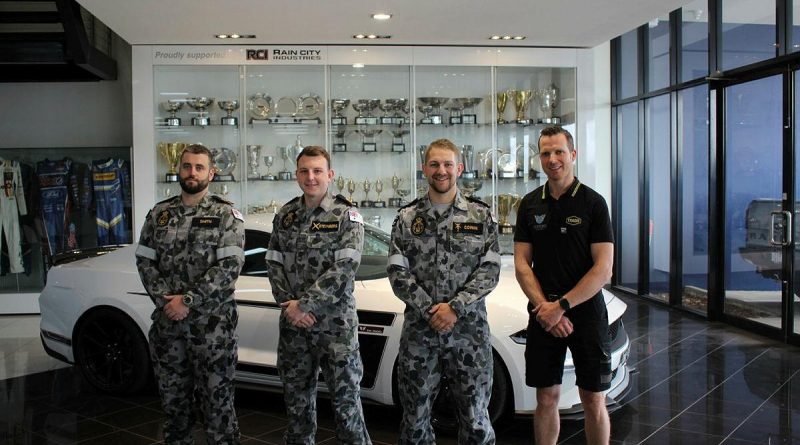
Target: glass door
755, 232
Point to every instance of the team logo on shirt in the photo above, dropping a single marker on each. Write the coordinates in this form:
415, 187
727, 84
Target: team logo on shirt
539, 218
288, 220
163, 218
574, 220
418, 225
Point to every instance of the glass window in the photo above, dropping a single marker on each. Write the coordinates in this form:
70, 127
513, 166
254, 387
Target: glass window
658, 53
694, 41
693, 144
657, 132
628, 171
628, 62
748, 32
795, 30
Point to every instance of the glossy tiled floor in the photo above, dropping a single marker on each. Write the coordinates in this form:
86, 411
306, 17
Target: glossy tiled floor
696, 383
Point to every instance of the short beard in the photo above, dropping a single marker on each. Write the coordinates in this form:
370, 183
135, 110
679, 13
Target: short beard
193, 190
434, 185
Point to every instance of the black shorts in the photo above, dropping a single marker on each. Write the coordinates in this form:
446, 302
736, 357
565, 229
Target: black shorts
591, 354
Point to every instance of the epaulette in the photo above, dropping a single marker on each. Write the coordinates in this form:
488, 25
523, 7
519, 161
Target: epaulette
168, 199
292, 201
221, 199
344, 200
414, 202
477, 201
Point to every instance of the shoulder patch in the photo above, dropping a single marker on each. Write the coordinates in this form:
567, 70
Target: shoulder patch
355, 216
237, 214
477, 201
342, 199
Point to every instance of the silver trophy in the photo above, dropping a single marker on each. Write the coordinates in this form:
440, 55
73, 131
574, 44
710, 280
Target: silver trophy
229, 106
200, 104
421, 152
366, 106
337, 107
308, 108
224, 160
268, 161
285, 174
455, 107
338, 143
253, 154
468, 158
367, 135
398, 144
286, 108
259, 106
436, 103
394, 201
172, 106
548, 101
469, 116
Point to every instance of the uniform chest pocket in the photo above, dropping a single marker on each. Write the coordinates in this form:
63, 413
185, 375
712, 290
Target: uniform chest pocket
204, 237
321, 241
468, 244
166, 235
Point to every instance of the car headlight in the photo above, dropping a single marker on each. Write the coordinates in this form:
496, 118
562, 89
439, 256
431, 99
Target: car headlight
520, 337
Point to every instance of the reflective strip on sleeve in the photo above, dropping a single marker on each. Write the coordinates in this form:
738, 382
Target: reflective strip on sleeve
398, 260
491, 257
353, 254
274, 256
146, 252
225, 252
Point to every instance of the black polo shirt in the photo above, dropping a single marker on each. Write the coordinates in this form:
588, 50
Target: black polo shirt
561, 232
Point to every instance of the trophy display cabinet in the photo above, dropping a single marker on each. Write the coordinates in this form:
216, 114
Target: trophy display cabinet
374, 118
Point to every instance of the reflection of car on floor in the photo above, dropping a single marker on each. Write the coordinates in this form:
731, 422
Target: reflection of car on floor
95, 314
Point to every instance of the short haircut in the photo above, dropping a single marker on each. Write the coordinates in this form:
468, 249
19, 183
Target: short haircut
554, 130
198, 149
445, 144
315, 150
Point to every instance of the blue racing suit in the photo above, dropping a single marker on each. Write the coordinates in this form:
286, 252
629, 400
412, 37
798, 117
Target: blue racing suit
53, 178
111, 183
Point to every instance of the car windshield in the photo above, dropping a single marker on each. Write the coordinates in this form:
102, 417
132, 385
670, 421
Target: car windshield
373, 258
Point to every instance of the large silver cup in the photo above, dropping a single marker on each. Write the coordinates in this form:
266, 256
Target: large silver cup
229, 106
200, 104
172, 106
253, 154
548, 101
468, 158
337, 107
268, 161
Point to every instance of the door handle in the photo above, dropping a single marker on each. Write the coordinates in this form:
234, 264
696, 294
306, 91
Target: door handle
786, 226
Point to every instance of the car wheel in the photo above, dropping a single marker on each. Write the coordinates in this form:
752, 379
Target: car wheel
111, 352
445, 417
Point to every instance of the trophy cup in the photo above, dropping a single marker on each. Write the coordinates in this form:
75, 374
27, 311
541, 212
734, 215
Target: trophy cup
171, 152
289, 155
285, 174
521, 100
549, 101
396, 181
367, 143
502, 98
421, 151
468, 158
399, 106
436, 104
259, 106
378, 189
272, 207
366, 105
469, 103
386, 106
339, 144
366, 186
470, 185
505, 203
402, 193
341, 183
338, 106
398, 146
351, 188
253, 153
286, 108
426, 110
229, 106
200, 104
224, 161
455, 108
268, 161
172, 106
308, 108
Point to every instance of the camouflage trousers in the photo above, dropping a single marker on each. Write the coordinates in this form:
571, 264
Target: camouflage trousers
464, 356
301, 355
194, 360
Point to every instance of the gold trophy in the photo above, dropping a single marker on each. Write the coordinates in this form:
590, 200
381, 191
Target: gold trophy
366, 186
340, 184
505, 203
351, 188
502, 99
171, 152
395, 201
379, 188
521, 100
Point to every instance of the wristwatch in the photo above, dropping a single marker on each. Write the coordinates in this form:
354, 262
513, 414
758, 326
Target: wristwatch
563, 303
188, 300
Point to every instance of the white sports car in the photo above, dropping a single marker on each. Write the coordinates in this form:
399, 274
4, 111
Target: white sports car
95, 314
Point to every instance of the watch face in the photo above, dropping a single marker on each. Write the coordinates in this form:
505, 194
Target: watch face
187, 300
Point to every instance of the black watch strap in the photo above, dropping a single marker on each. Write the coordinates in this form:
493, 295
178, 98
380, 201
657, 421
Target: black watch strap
563, 303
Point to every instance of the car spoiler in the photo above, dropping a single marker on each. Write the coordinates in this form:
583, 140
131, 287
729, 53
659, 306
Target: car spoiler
80, 254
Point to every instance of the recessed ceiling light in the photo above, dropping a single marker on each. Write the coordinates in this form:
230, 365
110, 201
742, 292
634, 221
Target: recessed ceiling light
381, 16
371, 36
359, 36
494, 38
235, 36
506, 37
358, 65
519, 37
221, 36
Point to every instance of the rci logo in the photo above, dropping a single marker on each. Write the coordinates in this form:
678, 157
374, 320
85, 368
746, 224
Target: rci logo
573, 220
257, 54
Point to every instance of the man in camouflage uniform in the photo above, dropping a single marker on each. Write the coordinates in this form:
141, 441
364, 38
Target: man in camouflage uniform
313, 255
443, 260
189, 257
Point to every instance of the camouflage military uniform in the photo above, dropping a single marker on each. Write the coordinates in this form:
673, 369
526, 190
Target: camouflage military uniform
453, 258
313, 256
196, 251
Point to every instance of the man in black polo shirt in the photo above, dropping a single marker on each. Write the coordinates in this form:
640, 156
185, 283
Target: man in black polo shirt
563, 254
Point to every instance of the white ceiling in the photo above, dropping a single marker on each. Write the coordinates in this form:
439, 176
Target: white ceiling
563, 23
